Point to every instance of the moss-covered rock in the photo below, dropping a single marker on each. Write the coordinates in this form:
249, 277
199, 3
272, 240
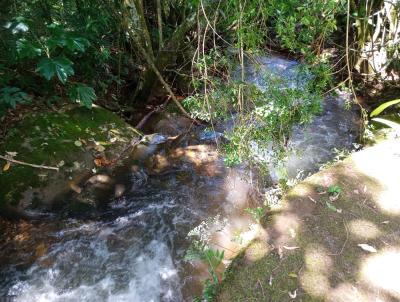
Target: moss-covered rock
69, 139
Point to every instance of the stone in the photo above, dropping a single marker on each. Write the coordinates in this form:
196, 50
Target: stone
52, 138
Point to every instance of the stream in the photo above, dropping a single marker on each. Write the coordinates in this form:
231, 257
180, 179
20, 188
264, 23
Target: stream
133, 250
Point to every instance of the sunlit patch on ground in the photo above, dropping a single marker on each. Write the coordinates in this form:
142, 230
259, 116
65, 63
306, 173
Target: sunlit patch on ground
318, 266
382, 271
364, 229
371, 162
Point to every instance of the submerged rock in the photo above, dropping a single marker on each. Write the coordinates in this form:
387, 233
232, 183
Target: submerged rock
78, 141
172, 125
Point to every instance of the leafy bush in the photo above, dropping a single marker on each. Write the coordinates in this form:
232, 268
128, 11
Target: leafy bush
11, 96
257, 213
53, 49
264, 128
212, 258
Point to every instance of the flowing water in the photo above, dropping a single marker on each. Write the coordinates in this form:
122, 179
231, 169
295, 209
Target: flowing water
133, 250
337, 128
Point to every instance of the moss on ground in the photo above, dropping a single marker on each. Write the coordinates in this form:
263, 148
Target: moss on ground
312, 252
49, 138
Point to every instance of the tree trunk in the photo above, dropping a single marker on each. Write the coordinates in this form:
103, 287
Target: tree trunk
166, 57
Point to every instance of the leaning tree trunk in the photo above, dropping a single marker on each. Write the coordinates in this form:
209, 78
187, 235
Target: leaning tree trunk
166, 57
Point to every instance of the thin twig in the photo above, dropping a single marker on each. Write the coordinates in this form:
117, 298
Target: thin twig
262, 288
345, 242
11, 160
351, 86
147, 116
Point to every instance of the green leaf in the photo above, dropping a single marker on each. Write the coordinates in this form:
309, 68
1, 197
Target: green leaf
11, 96
27, 49
62, 67
82, 94
382, 107
334, 189
77, 44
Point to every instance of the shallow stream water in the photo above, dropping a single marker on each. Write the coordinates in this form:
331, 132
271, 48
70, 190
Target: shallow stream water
134, 249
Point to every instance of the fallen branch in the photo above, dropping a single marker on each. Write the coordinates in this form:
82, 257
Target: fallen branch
147, 116
11, 160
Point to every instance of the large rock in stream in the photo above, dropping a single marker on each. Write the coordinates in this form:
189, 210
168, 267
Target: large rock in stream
72, 140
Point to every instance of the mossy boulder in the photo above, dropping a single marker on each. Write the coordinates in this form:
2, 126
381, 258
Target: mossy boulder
70, 139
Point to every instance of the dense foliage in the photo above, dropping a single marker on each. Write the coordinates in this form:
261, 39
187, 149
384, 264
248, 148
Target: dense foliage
125, 54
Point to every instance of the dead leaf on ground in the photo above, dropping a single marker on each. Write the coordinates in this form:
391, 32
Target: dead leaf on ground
367, 247
293, 295
334, 197
280, 252
312, 199
102, 162
99, 148
290, 248
7, 166
331, 206
60, 164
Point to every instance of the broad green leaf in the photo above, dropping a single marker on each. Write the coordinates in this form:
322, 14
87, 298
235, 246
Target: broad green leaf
382, 107
57, 36
54, 42
62, 67
11, 96
82, 94
27, 49
77, 44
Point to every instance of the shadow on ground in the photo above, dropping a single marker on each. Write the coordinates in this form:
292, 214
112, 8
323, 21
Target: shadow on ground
316, 249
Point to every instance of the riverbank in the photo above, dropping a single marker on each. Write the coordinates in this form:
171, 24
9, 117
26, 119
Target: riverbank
333, 238
53, 153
